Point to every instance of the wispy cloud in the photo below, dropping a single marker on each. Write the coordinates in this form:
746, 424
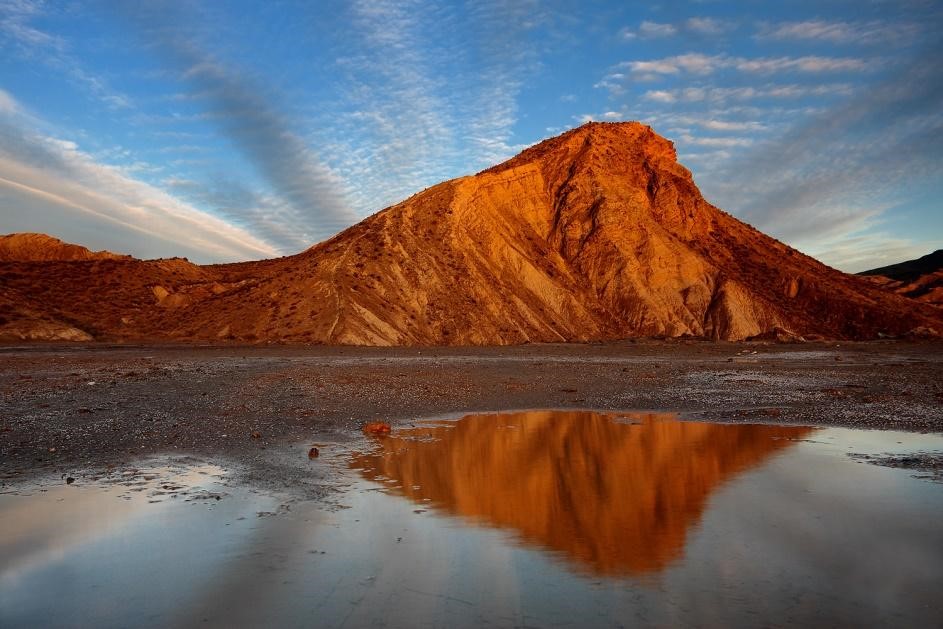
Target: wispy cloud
16, 18
266, 216
839, 32
648, 30
836, 173
724, 94
47, 183
606, 115
19, 36
693, 63
656, 29
865, 249
417, 109
8, 104
400, 115
701, 64
708, 25
501, 28
704, 26
265, 136
730, 125
716, 142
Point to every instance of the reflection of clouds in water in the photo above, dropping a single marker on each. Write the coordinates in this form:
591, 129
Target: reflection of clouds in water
844, 530
47, 526
39, 532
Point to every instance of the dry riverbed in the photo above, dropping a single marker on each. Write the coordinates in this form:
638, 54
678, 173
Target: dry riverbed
72, 411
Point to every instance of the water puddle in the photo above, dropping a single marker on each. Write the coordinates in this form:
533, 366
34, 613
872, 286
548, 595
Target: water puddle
533, 518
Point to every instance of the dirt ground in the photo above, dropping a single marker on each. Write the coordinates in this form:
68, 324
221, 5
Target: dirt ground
68, 408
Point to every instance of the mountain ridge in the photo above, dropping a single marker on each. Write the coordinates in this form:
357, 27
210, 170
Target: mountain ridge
596, 234
910, 270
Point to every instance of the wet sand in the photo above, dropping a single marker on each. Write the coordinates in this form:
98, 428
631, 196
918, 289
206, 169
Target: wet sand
65, 410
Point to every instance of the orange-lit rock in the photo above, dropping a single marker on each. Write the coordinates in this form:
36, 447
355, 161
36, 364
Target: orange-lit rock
377, 429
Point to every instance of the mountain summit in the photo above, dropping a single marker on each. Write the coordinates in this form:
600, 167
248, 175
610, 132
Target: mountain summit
596, 234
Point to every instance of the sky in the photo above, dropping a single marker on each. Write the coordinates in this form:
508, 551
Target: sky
224, 131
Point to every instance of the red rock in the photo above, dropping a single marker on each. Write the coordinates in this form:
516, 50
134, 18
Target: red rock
377, 429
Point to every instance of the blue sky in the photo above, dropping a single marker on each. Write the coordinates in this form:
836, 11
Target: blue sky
232, 130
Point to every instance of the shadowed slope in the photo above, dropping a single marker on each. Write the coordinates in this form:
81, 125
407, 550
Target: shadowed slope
911, 269
920, 279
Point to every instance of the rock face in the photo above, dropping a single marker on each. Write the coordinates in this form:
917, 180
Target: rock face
920, 279
596, 234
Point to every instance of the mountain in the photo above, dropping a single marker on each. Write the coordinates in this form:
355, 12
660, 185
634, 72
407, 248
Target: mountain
920, 279
911, 269
596, 234
43, 248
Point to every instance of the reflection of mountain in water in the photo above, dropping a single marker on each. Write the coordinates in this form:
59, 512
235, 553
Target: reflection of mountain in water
613, 497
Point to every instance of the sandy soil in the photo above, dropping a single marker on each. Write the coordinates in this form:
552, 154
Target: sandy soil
69, 408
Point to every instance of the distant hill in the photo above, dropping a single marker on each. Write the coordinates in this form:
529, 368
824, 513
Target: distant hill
920, 279
911, 269
28, 247
596, 234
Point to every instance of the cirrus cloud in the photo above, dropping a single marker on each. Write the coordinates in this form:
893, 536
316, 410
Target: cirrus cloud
49, 183
839, 32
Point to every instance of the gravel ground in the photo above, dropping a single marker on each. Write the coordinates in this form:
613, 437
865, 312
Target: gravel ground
67, 410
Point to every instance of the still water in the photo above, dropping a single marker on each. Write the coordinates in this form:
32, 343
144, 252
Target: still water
540, 518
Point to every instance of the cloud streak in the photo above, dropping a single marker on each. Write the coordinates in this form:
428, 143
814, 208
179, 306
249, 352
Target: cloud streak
314, 193
839, 32
314, 199
50, 184
701, 64
704, 26
727, 94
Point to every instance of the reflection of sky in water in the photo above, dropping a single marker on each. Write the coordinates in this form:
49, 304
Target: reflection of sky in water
61, 518
806, 536
880, 442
